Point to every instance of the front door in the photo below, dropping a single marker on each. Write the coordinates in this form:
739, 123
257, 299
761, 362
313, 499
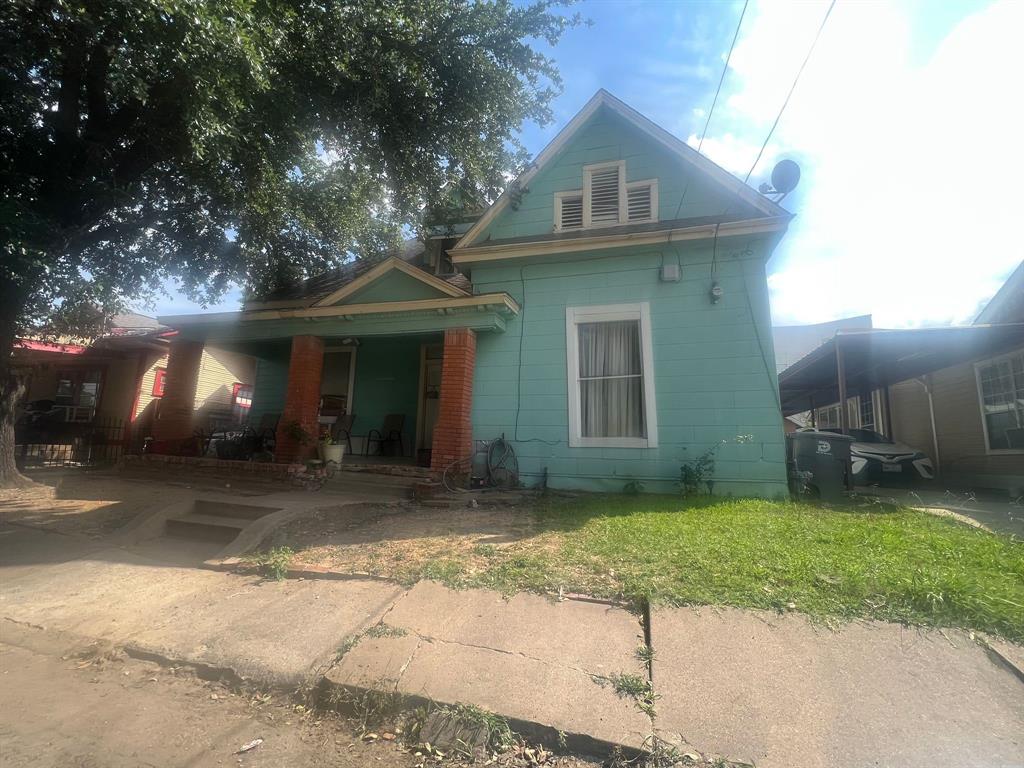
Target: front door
430, 394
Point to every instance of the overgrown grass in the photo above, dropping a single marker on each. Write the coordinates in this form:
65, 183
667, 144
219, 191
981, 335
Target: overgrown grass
893, 564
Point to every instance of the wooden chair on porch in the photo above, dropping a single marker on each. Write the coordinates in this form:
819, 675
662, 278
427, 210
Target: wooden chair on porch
387, 436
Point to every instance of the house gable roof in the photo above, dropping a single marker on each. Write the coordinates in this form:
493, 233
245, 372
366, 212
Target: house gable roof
399, 280
707, 169
1007, 306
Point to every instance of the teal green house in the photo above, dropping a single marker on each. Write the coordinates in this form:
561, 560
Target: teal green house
608, 316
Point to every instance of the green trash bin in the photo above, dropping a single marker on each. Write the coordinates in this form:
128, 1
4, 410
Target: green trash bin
819, 465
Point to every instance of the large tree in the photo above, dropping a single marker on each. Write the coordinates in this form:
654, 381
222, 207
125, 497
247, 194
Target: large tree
220, 142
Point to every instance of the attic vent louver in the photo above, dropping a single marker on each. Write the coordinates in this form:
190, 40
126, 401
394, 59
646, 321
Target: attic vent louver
571, 212
639, 202
604, 196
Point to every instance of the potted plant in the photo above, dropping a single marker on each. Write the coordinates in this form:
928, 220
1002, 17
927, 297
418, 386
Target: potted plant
329, 449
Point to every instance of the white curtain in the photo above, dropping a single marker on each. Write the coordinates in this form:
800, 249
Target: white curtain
611, 380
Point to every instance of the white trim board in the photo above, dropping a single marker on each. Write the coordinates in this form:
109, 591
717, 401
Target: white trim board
603, 98
389, 264
599, 241
604, 314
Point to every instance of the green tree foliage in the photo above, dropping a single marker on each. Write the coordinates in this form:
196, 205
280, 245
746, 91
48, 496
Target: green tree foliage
241, 141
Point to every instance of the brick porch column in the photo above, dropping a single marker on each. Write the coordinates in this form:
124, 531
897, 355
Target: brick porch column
302, 401
453, 432
174, 416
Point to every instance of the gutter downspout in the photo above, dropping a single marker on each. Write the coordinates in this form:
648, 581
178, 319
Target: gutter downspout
923, 381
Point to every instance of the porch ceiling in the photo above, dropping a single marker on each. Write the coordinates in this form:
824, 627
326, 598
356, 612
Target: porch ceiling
481, 313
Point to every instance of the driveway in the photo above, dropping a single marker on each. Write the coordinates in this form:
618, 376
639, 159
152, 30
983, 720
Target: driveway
997, 514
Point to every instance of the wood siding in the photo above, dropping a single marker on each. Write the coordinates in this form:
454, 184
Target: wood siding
958, 423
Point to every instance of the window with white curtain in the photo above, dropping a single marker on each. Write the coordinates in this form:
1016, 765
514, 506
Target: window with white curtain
1001, 392
611, 377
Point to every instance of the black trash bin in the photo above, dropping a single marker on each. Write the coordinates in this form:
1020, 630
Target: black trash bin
819, 464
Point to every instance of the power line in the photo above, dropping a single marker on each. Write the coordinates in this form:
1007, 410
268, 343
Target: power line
714, 102
721, 79
791, 89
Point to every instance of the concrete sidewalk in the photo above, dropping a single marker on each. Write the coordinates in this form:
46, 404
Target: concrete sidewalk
749, 686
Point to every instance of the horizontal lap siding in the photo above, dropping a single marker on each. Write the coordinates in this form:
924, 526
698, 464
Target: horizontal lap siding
681, 192
713, 378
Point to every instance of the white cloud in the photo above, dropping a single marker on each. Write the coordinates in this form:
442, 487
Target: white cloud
912, 172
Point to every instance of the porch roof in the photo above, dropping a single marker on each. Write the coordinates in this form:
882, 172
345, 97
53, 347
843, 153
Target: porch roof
481, 312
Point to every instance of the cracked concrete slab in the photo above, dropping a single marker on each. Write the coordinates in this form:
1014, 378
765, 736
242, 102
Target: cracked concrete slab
279, 632
598, 639
780, 691
527, 658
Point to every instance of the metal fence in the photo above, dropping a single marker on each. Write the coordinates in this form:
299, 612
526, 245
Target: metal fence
68, 444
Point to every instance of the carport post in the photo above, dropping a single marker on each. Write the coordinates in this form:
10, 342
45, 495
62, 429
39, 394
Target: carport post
844, 417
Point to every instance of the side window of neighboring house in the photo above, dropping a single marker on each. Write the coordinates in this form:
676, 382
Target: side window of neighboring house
606, 199
159, 379
867, 412
827, 417
241, 395
611, 377
1001, 394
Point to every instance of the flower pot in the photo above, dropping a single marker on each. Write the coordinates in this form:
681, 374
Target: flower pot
333, 453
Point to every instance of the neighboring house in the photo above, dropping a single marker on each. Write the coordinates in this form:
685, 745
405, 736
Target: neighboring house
978, 406
115, 381
608, 315
793, 342
90, 379
955, 393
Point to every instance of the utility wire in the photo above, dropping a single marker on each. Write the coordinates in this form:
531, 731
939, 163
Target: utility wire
791, 89
714, 103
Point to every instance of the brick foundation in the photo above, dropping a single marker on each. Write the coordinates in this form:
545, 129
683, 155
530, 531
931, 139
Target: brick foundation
177, 406
453, 432
302, 400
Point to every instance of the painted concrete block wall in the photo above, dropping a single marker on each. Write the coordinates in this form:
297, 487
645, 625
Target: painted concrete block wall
714, 367
682, 193
387, 381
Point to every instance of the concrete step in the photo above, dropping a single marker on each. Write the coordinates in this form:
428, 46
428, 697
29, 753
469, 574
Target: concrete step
215, 508
205, 527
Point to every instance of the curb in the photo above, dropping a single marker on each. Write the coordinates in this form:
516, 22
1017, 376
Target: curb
998, 652
531, 731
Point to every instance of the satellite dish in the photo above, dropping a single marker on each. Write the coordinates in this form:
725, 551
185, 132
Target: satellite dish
785, 176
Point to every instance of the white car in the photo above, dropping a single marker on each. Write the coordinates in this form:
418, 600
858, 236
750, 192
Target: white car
878, 460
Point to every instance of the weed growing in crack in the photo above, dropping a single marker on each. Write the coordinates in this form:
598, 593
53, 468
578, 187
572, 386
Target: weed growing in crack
385, 630
645, 655
273, 563
367, 706
638, 689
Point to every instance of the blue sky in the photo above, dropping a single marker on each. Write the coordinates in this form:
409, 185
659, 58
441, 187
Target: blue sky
904, 124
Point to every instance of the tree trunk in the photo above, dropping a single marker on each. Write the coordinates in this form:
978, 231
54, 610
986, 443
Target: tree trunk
12, 387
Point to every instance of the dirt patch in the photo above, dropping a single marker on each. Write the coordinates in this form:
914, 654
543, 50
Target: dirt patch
94, 707
403, 541
78, 502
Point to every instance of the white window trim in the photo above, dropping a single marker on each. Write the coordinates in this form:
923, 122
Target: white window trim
653, 184
604, 314
559, 196
588, 173
981, 405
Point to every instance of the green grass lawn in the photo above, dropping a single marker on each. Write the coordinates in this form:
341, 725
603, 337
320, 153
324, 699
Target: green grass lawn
895, 564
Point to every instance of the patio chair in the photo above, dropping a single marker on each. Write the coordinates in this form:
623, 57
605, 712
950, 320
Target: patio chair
343, 430
387, 436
